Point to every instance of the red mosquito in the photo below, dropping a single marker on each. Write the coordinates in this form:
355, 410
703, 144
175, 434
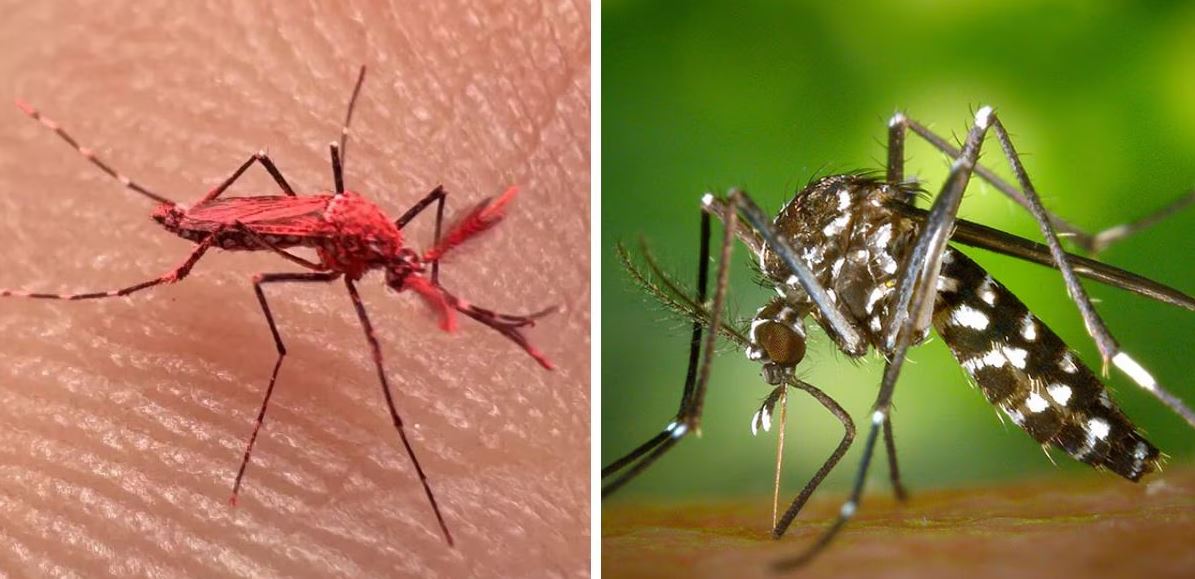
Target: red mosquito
350, 235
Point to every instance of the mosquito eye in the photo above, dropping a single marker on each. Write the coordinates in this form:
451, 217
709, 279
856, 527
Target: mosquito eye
783, 346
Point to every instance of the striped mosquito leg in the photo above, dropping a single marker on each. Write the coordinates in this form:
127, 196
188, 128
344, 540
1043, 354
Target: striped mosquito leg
508, 325
174, 275
1027, 371
1109, 349
376, 350
89, 154
258, 281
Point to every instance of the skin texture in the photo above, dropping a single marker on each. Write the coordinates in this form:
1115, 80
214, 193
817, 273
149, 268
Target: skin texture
122, 421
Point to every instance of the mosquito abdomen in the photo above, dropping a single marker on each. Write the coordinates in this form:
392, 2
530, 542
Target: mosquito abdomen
1027, 371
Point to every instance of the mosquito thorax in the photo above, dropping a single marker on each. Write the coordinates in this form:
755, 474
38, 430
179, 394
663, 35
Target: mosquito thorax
367, 237
845, 230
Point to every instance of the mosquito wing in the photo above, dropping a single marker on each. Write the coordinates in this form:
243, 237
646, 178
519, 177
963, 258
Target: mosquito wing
275, 215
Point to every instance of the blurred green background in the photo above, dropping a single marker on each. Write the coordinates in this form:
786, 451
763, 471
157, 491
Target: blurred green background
703, 96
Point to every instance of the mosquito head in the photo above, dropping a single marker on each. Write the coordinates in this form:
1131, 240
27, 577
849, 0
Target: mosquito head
406, 272
400, 267
169, 215
777, 341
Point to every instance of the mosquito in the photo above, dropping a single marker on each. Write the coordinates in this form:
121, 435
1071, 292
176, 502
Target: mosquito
853, 253
350, 235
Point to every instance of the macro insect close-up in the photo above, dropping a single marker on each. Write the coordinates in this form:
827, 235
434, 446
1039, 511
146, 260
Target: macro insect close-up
926, 258
350, 236
874, 271
239, 266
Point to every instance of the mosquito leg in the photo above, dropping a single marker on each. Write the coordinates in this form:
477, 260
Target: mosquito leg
337, 170
1088, 242
376, 351
174, 275
89, 154
1109, 349
438, 196
1101, 240
348, 115
691, 372
897, 127
648, 452
982, 236
915, 291
258, 157
258, 281
898, 488
925, 260
436, 239
507, 325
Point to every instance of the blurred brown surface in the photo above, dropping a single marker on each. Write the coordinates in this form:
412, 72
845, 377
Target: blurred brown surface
122, 421
1092, 526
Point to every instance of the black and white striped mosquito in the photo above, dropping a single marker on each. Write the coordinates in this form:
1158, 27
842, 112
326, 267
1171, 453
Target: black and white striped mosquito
855, 254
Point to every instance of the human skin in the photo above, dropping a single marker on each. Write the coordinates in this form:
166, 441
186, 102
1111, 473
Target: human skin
122, 421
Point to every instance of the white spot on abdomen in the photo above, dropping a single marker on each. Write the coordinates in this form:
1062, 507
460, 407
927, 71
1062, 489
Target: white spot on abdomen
987, 293
968, 316
1035, 403
1067, 363
1098, 428
1061, 393
1016, 356
1029, 328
